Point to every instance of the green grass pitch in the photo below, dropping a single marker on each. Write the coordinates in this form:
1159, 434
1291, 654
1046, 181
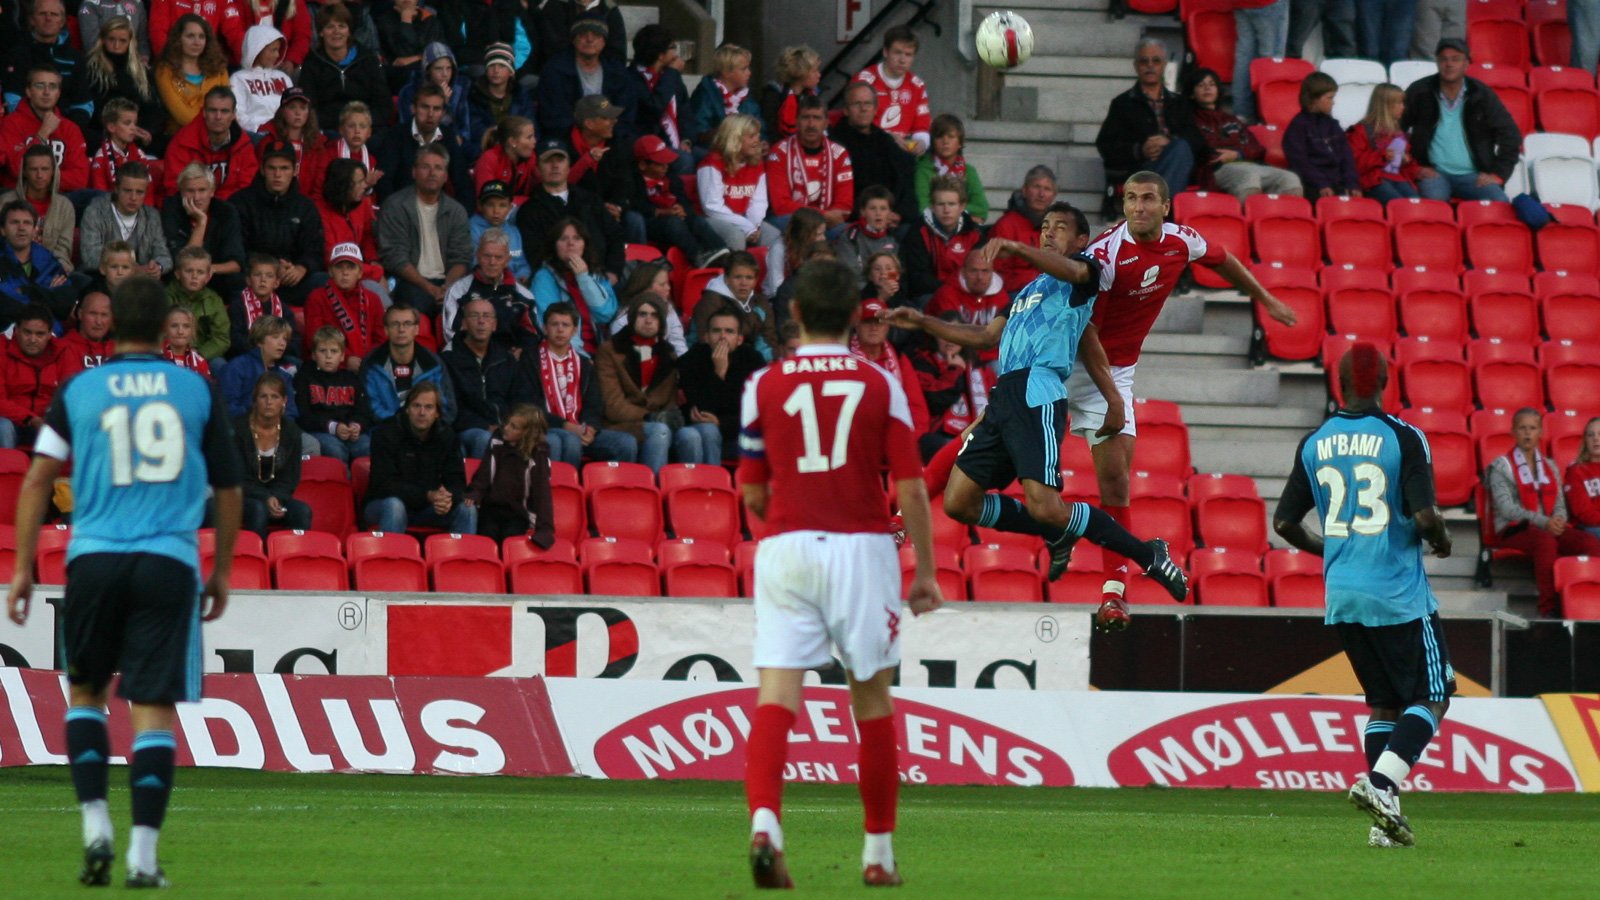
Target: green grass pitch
233, 833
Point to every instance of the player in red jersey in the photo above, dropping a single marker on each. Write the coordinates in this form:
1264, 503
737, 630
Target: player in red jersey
1140, 261
817, 431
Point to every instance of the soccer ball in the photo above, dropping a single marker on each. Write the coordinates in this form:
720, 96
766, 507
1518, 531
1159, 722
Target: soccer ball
1004, 40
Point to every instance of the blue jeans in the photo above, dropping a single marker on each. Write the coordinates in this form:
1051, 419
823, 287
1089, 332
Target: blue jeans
1462, 187
633, 227
700, 442
1174, 165
344, 451
389, 514
1584, 18
8, 434
653, 449
608, 446
474, 442
1385, 28
1263, 31
1385, 191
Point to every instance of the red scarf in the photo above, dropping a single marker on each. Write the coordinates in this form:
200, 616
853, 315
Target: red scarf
956, 167
1537, 489
659, 192
822, 162
890, 361
971, 402
190, 359
350, 325
585, 318
731, 101
645, 348
560, 378
254, 307
669, 117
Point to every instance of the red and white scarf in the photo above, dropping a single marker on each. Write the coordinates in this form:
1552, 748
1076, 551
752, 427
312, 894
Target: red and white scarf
889, 361
255, 307
731, 101
561, 378
961, 413
956, 167
822, 161
189, 359
342, 151
347, 323
1538, 489
659, 192
669, 118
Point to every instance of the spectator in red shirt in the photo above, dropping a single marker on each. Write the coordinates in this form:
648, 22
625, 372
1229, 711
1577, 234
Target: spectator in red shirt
955, 387
90, 341
933, 254
733, 185
347, 212
510, 159
347, 304
1384, 163
215, 141
975, 296
1582, 484
1530, 511
903, 109
871, 343
39, 119
120, 120
808, 170
30, 371
799, 71
1021, 222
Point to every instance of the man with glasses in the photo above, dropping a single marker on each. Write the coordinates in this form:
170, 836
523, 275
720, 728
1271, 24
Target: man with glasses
876, 156
38, 119
484, 375
399, 365
1149, 127
48, 44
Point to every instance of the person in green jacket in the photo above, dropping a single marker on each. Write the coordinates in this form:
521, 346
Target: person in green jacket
191, 290
949, 142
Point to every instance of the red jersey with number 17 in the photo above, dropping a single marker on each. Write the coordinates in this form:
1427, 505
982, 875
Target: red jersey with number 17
1136, 279
819, 428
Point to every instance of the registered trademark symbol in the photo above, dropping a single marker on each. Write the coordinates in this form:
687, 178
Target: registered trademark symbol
1046, 629
350, 615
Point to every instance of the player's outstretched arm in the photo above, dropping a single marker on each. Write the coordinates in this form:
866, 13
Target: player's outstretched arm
214, 598
1053, 264
32, 501
1098, 366
924, 594
1430, 524
976, 337
1234, 272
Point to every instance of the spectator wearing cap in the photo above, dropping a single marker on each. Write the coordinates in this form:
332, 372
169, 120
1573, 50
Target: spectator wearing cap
424, 241
657, 77
492, 280
601, 164
348, 305
296, 124
283, 223
806, 169
496, 94
657, 203
559, 19
394, 150
871, 343
555, 199
494, 211
340, 70
1462, 137
572, 74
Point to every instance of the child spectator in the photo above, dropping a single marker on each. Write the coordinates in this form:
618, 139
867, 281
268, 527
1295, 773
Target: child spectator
902, 97
799, 71
883, 280
258, 298
806, 227
1582, 482
1316, 146
178, 344
933, 254
723, 94
657, 75
269, 443
733, 185
571, 274
512, 487
191, 64
953, 385
496, 95
808, 170
404, 34
565, 387
295, 123
652, 279
191, 289
332, 399
1236, 166
269, 341
116, 66
260, 82
947, 158
870, 234
510, 160
736, 288
659, 202
1382, 155
346, 304
125, 216
494, 209
355, 130
120, 119
289, 16
974, 297
439, 67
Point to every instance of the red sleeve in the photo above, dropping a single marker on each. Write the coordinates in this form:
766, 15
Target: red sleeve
914, 398
74, 174
944, 300
844, 184
753, 466
922, 120
231, 30
1369, 159
242, 169
1201, 251
780, 193
162, 15
297, 28
583, 166
177, 157
1583, 509
316, 317
99, 176
313, 170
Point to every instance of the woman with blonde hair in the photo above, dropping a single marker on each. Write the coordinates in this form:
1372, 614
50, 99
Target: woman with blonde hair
1383, 160
799, 71
192, 63
733, 185
1582, 481
116, 69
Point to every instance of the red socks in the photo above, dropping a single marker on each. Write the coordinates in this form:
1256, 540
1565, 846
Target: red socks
1116, 564
765, 754
880, 773
937, 472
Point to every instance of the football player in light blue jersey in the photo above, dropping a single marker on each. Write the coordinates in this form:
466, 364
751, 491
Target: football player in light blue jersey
1370, 478
1040, 336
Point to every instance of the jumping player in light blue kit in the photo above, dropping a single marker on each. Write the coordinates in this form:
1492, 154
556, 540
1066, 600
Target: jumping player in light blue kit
146, 439
1019, 436
1370, 478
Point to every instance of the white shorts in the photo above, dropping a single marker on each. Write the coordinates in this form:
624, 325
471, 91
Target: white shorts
1087, 405
816, 588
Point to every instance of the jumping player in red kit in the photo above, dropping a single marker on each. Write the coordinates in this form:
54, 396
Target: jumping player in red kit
1140, 262
817, 431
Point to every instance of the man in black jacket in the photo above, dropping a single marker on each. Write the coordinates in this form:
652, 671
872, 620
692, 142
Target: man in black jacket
1461, 134
876, 157
394, 150
418, 477
48, 40
562, 82
554, 200
560, 380
713, 374
485, 376
1150, 127
280, 221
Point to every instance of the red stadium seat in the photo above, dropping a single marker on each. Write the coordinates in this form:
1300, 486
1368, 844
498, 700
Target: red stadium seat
697, 569
1431, 420
1277, 206
1364, 312
1428, 243
1575, 317
1002, 572
1164, 448
1479, 212
1163, 514
1295, 287
1339, 276
1563, 435
332, 501
1511, 316
1270, 137
568, 508
947, 532
1511, 385
1488, 540
607, 474
1422, 278
1278, 102
1075, 453
1552, 36
1581, 601
1478, 281
1568, 110
1205, 485
1562, 281
947, 569
1455, 468
1144, 591
307, 561
465, 563
694, 285
1485, 350
8, 546
1237, 523
1417, 209
622, 567
1335, 209
1295, 578
385, 562
1573, 385
1157, 412
1409, 349
360, 476
1080, 485
1484, 422
13, 466
640, 253
1211, 37
1505, 246
701, 502
620, 506
250, 570
1282, 230
1559, 75
1152, 7
1189, 204
1500, 42
531, 569
1029, 542
1570, 570
1227, 577
1439, 383
1480, 10
1084, 577
1226, 231
1511, 86
1567, 247
1268, 69
1145, 483
1552, 353
1360, 242
362, 544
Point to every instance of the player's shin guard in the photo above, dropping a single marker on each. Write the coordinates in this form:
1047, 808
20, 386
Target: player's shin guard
765, 754
1004, 513
879, 780
89, 751
1376, 740
937, 472
1411, 736
1115, 565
